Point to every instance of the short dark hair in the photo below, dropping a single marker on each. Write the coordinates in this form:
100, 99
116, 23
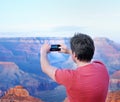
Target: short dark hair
83, 47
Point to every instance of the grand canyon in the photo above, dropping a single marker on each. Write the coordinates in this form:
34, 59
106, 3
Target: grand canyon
20, 68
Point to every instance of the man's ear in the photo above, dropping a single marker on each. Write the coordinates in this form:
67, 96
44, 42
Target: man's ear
74, 56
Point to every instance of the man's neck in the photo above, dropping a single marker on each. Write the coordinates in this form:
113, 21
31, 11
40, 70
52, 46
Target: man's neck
81, 63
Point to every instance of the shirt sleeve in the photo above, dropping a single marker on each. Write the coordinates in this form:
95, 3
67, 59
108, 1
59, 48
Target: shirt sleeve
63, 76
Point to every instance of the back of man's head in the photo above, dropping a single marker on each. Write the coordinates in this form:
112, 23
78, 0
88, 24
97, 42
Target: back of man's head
83, 47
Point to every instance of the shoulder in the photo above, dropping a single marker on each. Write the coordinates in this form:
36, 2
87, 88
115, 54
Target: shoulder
96, 61
99, 63
63, 75
64, 71
101, 67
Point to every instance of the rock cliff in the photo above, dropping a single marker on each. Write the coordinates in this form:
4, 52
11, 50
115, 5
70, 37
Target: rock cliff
113, 96
18, 94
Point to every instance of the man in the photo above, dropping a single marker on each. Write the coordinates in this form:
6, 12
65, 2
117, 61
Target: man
89, 81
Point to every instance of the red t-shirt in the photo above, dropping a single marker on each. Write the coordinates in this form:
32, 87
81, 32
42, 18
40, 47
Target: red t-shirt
85, 84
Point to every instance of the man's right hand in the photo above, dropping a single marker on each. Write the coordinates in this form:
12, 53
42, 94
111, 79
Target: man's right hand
64, 49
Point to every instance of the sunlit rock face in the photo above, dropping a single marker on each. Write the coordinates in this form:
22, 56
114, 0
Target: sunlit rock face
18, 94
113, 96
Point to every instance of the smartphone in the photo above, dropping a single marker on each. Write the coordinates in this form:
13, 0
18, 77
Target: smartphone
55, 47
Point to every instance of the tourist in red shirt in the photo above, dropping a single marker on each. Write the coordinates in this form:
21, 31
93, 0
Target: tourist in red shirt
89, 81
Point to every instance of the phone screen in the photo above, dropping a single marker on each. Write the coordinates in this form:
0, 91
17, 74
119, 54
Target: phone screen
55, 47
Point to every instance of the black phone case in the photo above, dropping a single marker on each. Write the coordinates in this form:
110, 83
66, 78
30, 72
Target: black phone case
55, 48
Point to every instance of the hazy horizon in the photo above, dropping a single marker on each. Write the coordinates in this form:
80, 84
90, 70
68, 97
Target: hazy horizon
113, 37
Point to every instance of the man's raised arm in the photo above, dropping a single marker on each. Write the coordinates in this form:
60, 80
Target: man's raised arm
45, 65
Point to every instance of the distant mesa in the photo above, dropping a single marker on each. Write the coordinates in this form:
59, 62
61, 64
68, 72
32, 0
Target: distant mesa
18, 94
116, 75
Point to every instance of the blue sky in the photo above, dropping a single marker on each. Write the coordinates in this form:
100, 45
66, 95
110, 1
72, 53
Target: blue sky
61, 17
